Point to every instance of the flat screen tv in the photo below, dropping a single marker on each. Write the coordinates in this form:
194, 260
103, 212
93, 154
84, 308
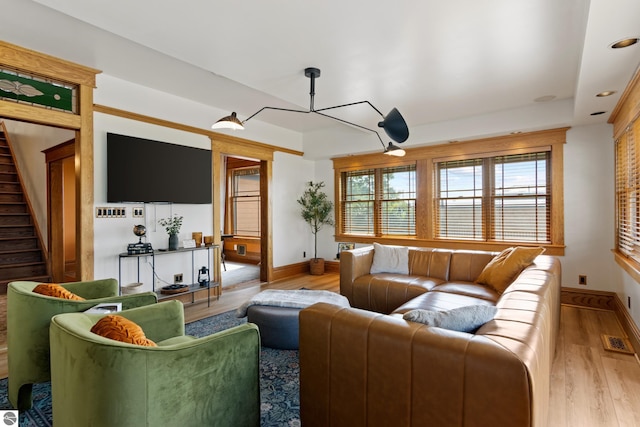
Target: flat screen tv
142, 170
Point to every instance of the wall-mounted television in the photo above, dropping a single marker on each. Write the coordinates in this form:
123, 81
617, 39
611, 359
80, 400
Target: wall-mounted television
143, 170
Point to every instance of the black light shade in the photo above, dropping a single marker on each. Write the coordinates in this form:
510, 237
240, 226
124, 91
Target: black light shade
395, 126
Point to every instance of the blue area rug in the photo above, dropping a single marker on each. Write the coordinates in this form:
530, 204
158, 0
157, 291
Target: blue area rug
279, 382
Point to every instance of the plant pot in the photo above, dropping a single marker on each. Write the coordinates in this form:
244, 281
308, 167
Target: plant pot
173, 242
316, 266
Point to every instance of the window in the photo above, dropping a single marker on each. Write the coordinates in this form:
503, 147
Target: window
485, 194
628, 192
245, 202
379, 202
503, 198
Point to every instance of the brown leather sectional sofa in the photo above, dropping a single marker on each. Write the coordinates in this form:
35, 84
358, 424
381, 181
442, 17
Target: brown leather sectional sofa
367, 366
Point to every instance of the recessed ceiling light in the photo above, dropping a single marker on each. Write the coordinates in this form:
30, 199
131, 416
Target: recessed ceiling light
624, 43
606, 93
597, 113
545, 98
515, 132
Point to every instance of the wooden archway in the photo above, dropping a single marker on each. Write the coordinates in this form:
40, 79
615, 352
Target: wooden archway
81, 121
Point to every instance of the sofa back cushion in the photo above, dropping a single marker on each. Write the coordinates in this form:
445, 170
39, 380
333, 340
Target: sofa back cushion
466, 266
429, 262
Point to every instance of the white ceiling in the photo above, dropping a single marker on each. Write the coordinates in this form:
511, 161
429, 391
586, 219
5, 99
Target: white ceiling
435, 60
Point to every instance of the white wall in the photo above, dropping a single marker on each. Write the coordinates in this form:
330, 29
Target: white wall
291, 235
113, 234
589, 214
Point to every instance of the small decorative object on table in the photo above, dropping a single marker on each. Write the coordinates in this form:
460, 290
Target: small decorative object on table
139, 248
203, 277
197, 236
174, 289
172, 225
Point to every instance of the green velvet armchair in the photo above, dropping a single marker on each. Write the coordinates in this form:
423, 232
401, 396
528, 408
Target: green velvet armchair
185, 381
28, 318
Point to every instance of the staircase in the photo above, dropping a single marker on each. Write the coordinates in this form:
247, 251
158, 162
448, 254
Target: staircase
21, 253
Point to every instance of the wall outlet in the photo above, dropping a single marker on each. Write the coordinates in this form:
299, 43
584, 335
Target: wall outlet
582, 280
177, 278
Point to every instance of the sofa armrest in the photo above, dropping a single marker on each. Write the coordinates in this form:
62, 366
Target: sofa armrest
353, 264
93, 289
212, 380
357, 366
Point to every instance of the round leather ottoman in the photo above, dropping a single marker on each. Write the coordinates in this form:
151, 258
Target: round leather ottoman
278, 325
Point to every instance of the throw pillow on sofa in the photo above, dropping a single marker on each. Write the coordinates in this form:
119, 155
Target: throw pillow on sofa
504, 267
390, 259
56, 291
121, 329
462, 319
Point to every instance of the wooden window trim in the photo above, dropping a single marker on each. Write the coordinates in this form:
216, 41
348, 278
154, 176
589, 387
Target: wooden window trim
423, 158
625, 114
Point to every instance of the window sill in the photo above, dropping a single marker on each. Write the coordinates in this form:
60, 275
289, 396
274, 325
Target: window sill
555, 250
627, 264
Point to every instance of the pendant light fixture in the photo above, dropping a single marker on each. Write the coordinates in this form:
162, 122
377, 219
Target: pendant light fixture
393, 123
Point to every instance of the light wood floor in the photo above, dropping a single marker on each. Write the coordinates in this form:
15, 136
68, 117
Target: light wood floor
590, 386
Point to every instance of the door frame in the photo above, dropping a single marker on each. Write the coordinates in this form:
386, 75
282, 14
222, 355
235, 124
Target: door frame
54, 157
19, 58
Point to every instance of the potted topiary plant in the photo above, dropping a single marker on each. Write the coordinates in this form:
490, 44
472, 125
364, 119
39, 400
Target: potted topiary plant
316, 210
172, 225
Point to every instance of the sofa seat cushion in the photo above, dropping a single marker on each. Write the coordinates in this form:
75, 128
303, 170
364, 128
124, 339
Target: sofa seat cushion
384, 292
439, 301
469, 289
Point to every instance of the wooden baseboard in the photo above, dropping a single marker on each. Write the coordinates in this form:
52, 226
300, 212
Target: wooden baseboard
588, 298
290, 270
629, 326
604, 300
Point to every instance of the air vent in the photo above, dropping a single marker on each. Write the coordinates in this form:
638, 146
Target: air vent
242, 250
619, 344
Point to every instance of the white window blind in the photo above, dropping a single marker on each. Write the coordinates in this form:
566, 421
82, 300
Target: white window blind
398, 201
246, 202
377, 202
521, 198
503, 198
358, 202
458, 204
628, 192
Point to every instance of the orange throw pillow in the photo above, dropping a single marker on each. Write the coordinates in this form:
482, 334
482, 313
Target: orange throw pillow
503, 269
121, 329
57, 291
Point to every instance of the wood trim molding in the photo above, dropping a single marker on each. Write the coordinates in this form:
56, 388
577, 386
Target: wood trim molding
588, 298
628, 107
47, 66
289, 270
85, 77
629, 326
214, 136
286, 271
425, 158
603, 300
